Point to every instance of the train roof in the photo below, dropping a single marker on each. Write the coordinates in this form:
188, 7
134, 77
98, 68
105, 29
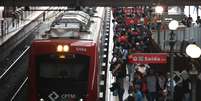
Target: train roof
73, 16
72, 23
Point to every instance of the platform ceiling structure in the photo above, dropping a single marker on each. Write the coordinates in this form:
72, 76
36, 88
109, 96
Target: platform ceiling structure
111, 3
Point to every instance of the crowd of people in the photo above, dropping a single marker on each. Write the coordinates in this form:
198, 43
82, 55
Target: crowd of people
132, 35
188, 21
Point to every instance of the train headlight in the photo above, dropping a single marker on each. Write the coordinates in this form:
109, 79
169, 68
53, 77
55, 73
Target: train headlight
62, 56
66, 48
42, 99
59, 48
63, 48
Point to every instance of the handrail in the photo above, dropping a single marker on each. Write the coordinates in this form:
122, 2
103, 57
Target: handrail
189, 34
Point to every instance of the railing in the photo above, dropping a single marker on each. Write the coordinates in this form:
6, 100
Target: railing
185, 34
8, 25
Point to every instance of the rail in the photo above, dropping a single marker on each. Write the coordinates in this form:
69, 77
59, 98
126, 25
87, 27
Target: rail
19, 89
14, 63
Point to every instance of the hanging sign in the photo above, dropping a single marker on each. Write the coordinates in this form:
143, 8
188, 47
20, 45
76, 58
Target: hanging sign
148, 58
131, 10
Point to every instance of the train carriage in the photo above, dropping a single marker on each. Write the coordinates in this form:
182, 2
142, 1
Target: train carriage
64, 64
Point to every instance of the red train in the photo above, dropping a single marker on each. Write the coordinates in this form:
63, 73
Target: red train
64, 64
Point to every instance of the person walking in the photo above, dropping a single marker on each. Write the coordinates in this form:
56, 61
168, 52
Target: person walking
130, 98
178, 92
120, 73
189, 21
151, 80
198, 21
138, 93
162, 85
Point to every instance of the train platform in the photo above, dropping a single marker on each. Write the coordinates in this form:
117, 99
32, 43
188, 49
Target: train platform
14, 30
159, 70
111, 79
16, 34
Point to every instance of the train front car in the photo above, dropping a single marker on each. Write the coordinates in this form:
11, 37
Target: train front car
64, 64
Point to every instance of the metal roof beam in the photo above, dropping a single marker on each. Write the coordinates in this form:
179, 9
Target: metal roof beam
110, 3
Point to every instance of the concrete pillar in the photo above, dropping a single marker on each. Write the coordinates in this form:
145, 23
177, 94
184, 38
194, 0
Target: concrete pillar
182, 9
2, 28
197, 10
189, 12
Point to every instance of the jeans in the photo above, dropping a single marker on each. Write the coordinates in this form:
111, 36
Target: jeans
151, 96
131, 70
186, 97
121, 88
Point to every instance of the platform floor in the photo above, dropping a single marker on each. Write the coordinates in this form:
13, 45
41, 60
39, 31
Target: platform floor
110, 78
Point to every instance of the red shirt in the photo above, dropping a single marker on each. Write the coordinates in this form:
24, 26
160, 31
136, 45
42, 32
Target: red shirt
135, 33
122, 38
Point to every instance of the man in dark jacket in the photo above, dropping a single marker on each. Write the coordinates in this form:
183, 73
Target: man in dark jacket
198, 92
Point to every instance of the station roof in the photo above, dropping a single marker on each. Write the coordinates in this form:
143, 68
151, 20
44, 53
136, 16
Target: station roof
110, 3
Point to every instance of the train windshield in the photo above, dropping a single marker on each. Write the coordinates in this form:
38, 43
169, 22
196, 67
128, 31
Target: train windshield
66, 76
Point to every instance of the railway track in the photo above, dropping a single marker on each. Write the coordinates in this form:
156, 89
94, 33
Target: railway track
19, 89
11, 78
19, 86
104, 54
11, 67
14, 68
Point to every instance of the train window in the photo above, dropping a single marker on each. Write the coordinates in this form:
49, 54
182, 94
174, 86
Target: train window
60, 70
73, 67
66, 76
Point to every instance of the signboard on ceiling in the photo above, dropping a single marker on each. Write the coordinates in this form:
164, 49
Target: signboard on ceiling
132, 10
148, 58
